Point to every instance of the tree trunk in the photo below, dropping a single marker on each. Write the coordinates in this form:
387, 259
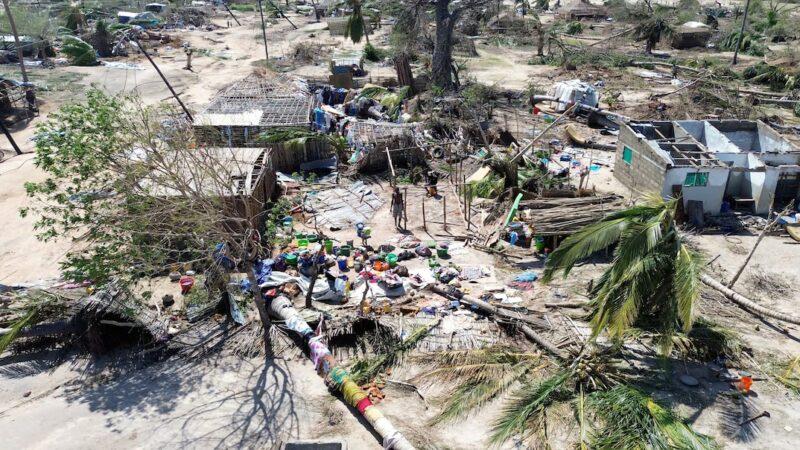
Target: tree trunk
442, 63
260, 306
746, 303
16, 40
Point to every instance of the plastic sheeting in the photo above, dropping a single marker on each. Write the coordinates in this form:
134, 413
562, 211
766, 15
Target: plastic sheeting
574, 91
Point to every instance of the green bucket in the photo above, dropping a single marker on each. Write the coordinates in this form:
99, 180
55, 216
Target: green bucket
300, 235
441, 252
312, 238
539, 243
344, 250
391, 258
328, 246
291, 259
302, 243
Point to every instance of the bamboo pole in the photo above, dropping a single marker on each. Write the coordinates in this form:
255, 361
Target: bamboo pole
424, 221
536, 138
444, 211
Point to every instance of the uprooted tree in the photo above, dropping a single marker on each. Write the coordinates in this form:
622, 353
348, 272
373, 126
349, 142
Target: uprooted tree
127, 184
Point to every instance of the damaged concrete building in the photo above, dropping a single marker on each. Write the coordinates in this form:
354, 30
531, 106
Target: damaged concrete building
715, 165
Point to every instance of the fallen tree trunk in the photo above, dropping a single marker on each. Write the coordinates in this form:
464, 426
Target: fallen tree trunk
746, 303
520, 320
336, 375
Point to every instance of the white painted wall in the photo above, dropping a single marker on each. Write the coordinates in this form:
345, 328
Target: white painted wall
711, 195
715, 141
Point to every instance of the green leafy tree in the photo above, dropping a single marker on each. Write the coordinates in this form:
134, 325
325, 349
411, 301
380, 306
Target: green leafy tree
654, 279
127, 184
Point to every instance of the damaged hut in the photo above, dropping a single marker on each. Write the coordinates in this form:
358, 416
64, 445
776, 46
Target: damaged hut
372, 143
244, 181
239, 114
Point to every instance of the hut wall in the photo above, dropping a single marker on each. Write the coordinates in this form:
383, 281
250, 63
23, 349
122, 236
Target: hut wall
377, 161
288, 160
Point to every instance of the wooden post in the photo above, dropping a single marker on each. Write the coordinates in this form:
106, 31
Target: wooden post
231, 13
264, 33
10, 138
405, 210
741, 33
424, 221
16, 41
164, 79
444, 211
391, 166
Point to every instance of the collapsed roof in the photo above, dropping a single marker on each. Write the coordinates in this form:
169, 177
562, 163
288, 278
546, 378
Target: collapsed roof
256, 100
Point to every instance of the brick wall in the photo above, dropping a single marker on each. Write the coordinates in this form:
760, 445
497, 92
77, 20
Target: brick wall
646, 171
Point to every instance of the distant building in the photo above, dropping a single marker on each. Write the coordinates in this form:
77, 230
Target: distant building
742, 163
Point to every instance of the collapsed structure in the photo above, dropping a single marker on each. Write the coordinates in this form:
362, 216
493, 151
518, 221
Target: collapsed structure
715, 165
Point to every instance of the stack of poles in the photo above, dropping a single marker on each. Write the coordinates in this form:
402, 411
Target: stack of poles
335, 375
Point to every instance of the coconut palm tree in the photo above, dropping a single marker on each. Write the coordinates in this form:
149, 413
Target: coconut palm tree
356, 27
622, 416
651, 31
654, 279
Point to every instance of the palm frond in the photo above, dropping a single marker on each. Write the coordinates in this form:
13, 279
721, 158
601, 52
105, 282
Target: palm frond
790, 375
28, 319
686, 283
472, 395
366, 369
583, 244
80, 53
525, 414
295, 139
631, 419
355, 26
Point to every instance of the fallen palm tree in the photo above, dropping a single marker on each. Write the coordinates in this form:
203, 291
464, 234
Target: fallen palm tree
336, 375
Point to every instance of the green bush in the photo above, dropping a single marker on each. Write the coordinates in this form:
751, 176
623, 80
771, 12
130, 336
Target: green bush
243, 7
79, 52
574, 28
374, 54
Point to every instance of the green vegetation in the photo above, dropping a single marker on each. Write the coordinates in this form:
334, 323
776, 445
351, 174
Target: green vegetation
243, 7
374, 54
79, 52
654, 279
574, 28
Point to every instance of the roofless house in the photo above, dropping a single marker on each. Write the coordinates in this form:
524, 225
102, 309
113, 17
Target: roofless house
239, 114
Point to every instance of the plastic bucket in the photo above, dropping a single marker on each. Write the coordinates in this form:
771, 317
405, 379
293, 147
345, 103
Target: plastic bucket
539, 243
344, 250
342, 264
291, 259
441, 252
391, 258
300, 235
312, 238
302, 243
328, 246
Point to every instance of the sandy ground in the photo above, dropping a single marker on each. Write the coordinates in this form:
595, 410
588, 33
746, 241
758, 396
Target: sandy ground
222, 401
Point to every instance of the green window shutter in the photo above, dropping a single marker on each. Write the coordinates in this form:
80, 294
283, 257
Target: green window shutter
627, 155
696, 179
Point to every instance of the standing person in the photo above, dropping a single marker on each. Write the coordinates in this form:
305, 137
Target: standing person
397, 207
187, 48
432, 181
